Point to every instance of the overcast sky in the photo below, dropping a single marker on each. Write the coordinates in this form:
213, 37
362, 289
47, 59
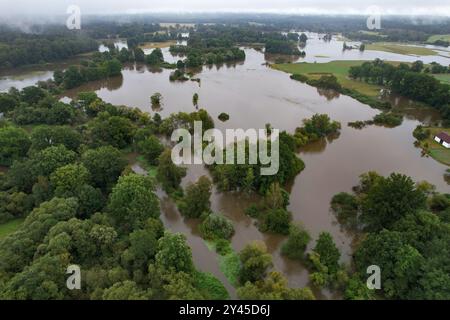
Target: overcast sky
431, 7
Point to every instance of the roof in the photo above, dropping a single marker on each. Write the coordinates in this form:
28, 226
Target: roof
444, 137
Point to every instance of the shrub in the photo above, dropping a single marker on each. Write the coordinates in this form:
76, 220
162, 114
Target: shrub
224, 117
216, 226
388, 119
299, 77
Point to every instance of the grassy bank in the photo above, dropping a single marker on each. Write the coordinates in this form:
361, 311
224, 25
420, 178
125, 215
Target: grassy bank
401, 49
434, 149
10, 227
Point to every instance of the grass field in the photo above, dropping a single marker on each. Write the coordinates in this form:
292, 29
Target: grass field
337, 68
444, 78
9, 227
436, 37
434, 149
400, 49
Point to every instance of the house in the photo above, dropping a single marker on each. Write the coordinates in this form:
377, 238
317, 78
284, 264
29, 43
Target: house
444, 139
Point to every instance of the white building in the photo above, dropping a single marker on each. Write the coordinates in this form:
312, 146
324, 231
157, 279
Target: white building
444, 139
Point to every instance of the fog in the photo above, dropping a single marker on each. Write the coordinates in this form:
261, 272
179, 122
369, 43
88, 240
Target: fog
59, 7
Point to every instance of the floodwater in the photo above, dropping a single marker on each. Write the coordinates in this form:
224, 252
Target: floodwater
318, 50
254, 95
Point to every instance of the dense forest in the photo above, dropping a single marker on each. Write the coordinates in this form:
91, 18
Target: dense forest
17, 49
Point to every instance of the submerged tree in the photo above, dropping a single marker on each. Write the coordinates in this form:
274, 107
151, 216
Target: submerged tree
195, 100
156, 99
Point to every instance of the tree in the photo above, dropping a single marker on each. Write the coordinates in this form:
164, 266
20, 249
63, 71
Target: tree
113, 67
91, 200
298, 240
14, 144
46, 136
328, 252
169, 174
174, 254
400, 263
389, 200
7, 102
216, 226
274, 287
276, 197
151, 148
254, 262
196, 201
126, 290
139, 55
143, 246
195, 100
155, 99
18, 250
105, 164
357, 290
303, 38
50, 159
67, 180
417, 66
155, 57
113, 130
276, 221
42, 280
132, 201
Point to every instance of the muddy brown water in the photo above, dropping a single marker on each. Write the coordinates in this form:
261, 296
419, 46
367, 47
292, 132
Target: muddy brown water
253, 95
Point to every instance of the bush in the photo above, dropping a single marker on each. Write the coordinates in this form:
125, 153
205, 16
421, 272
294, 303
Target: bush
223, 247
224, 117
253, 211
216, 226
299, 77
210, 287
388, 119
329, 82
420, 133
